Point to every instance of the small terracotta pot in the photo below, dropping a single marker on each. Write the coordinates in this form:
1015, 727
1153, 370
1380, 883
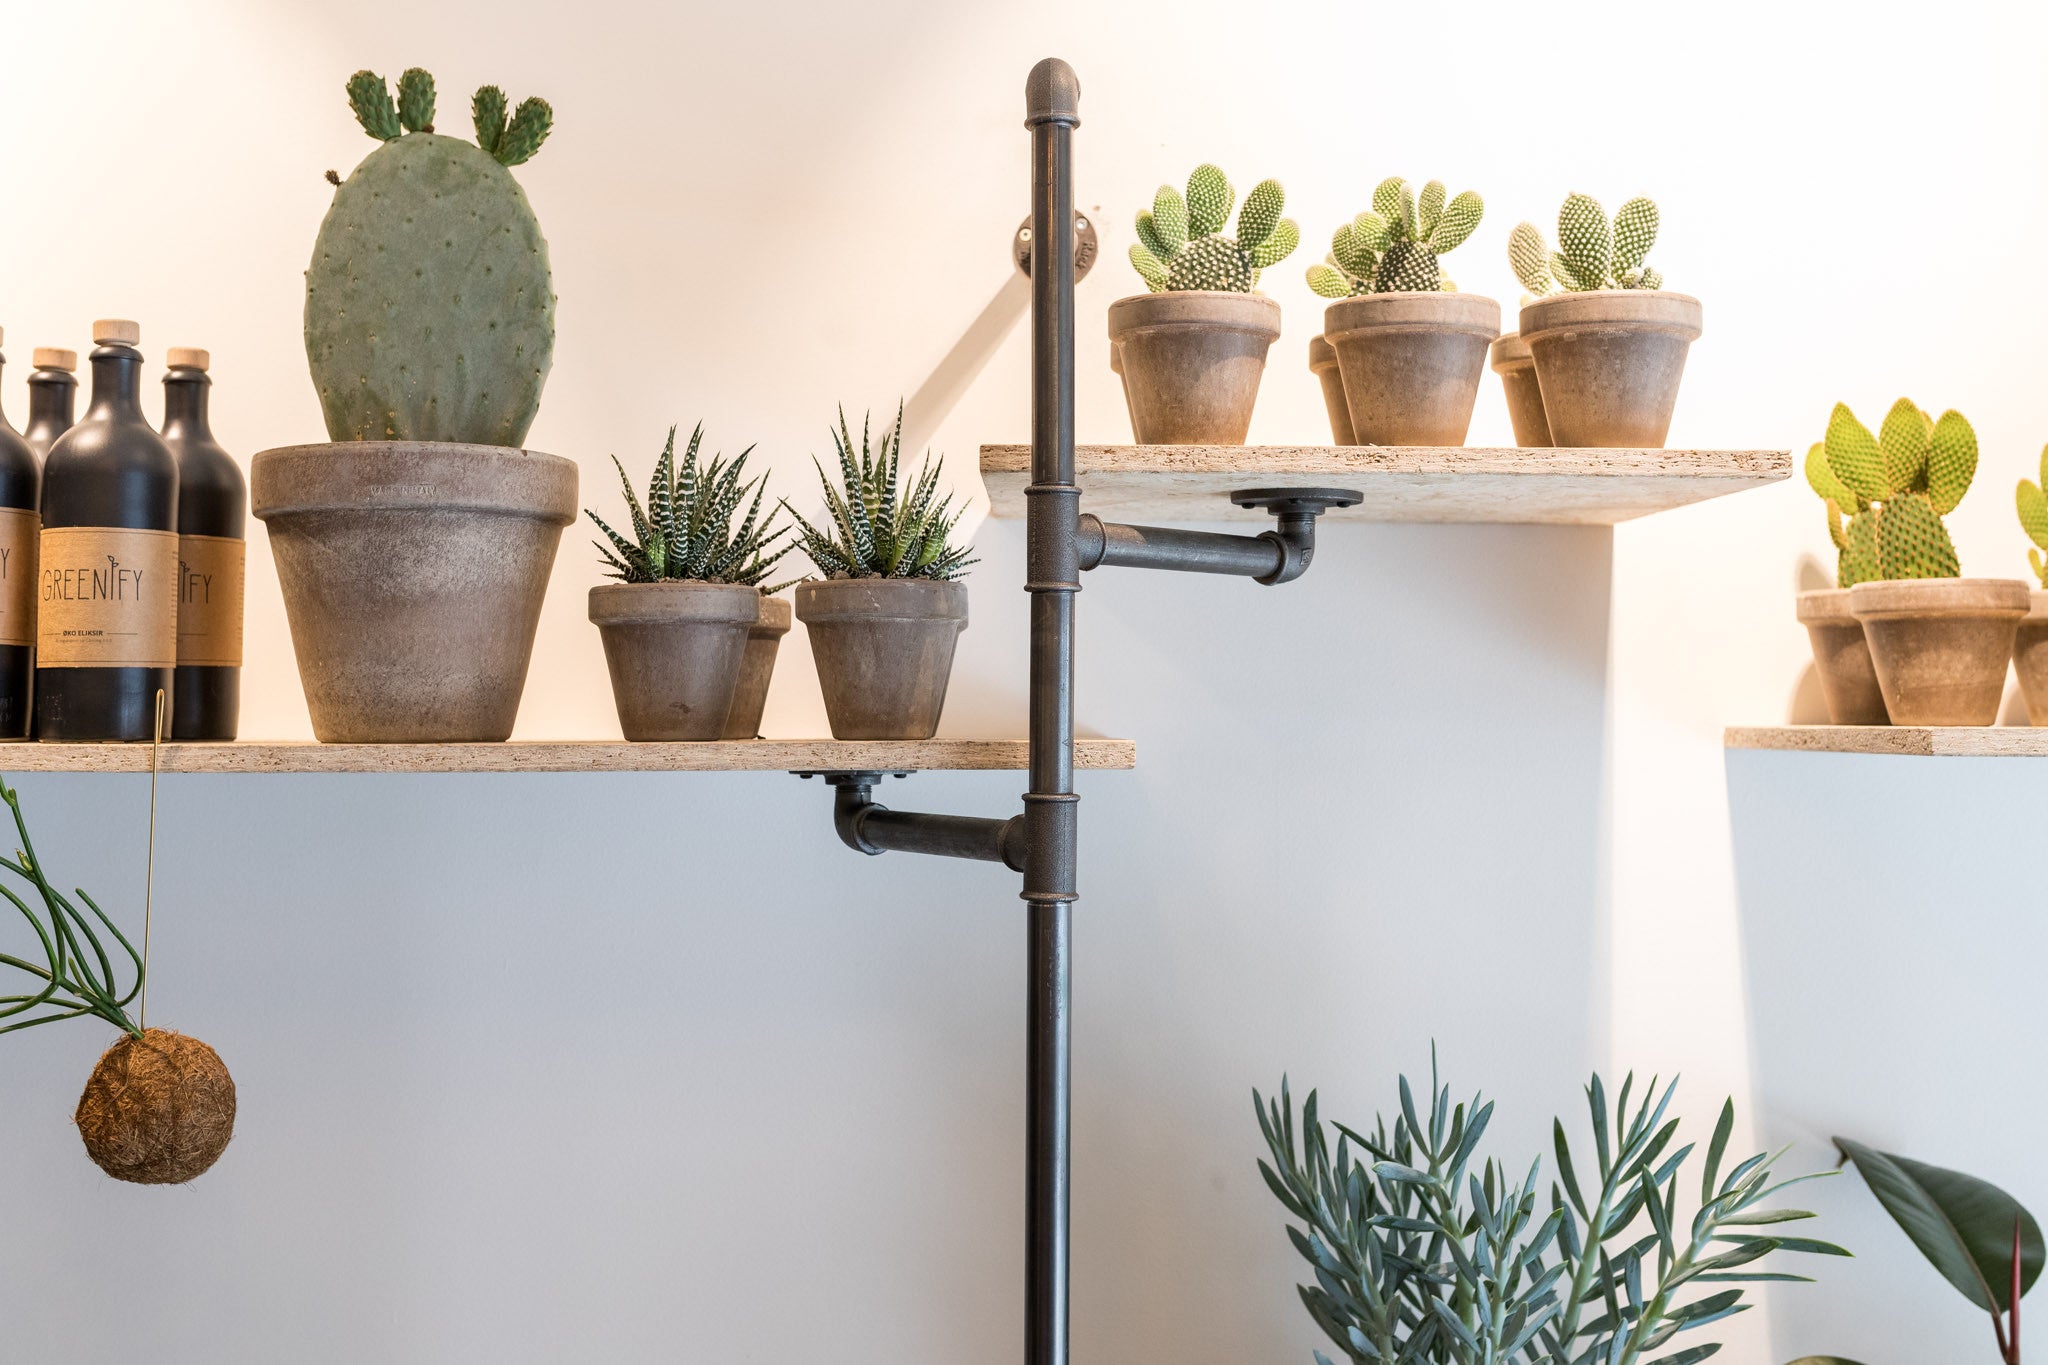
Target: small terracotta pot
757, 666
1609, 362
1941, 645
1191, 360
1841, 656
1411, 363
413, 574
884, 650
1517, 370
2030, 658
674, 650
1322, 363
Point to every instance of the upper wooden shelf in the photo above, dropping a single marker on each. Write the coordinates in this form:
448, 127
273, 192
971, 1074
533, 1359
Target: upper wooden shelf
558, 756
1951, 741
1400, 483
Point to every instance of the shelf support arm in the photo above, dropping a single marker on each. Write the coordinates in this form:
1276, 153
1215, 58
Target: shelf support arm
1280, 555
867, 826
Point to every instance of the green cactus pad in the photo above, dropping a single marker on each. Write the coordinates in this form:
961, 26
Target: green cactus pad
416, 101
1408, 267
1210, 263
1148, 236
1278, 246
1835, 533
1429, 209
1149, 267
1180, 245
429, 304
370, 97
487, 113
1912, 542
1635, 232
1169, 222
1458, 221
2033, 510
1858, 562
1529, 254
1209, 200
1853, 455
1330, 282
530, 125
1821, 477
1587, 240
1902, 443
1951, 461
1260, 214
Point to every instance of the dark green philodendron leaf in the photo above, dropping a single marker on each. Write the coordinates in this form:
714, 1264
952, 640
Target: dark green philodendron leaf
1961, 1224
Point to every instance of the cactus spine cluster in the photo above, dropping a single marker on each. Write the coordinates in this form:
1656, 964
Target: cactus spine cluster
1886, 494
1181, 243
430, 310
2033, 503
1594, 252
1394, 245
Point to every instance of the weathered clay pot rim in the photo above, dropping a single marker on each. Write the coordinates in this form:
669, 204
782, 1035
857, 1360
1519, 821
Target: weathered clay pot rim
774, 617
425, 476
1510, 352
942, 598
1824, 605
677, 601
2037, 604
1321, 354
1621, 310
1221, 309
1412, 311
1896, 597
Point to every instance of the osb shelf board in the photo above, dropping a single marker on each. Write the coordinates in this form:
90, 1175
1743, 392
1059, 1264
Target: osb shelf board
1960, 741
1400, 483
549, 756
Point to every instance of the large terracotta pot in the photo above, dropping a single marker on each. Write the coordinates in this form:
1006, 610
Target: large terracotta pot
413, 575
1517, 370
2030, 658
1191, 361
1609, 362
757, 668
1411, 363
1941, 645
1841, 656
884, 650
674, 650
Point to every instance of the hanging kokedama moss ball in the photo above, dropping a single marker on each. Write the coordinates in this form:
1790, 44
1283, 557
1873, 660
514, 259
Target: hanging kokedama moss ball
158, 1110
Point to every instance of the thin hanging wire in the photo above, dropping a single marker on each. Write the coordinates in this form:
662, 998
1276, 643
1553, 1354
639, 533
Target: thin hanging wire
156, 745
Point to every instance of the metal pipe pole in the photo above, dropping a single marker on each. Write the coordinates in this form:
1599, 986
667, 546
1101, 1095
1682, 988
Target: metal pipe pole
1052, 98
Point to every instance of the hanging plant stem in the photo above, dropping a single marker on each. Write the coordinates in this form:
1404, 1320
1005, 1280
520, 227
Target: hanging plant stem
78, 974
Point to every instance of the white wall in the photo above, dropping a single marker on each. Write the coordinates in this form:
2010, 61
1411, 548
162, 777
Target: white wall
546, 1068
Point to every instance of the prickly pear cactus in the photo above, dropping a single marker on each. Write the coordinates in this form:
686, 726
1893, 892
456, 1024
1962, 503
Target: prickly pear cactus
1596, 253
1887, 493
2033, 505
430, 310
1181, 243
1393, 246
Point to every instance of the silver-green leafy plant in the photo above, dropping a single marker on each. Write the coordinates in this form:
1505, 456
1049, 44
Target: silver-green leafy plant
74, 972
1886, 494
690, 529
1181, 243
2033, 507
1421, 1253
1395, 244
1594, 251
876, 527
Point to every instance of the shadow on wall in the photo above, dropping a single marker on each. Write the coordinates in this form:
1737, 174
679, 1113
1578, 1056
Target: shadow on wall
1893, 948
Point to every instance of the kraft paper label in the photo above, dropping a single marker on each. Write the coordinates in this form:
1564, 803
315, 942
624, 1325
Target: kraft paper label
107, 597
18, 527
210, 601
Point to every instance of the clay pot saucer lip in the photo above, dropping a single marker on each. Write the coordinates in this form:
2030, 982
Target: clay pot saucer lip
1411, 311
674, 602
1223, 309
1893, 597
1824, 606
1630, 310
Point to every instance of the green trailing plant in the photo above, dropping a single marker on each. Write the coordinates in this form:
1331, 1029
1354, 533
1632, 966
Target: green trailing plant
430, 309
2033, 508
75, 973
875, 526
1420, 1252
1979, 1237
687, 530
1395, 244
1887, 493
1181, 243
1594, 252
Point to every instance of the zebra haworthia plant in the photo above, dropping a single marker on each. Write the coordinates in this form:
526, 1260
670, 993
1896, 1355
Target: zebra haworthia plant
875, 528
1887, 493
686, 531
1593, 251
2033, 507
1181, 245
1394, 245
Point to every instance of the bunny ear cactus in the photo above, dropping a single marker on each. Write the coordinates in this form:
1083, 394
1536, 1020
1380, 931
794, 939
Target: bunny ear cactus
2033, 508
1594, 251
430, 309
1181, 243
1887, 493
1394, 246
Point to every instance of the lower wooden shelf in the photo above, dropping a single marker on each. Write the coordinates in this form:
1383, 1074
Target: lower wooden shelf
559, 756
1946, 741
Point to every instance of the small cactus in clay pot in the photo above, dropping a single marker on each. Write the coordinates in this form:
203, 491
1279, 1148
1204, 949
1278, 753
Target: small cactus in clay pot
2030, 648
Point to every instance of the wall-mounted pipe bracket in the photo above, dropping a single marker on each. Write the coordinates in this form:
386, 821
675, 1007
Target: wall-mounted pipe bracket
1280, 555
867, 826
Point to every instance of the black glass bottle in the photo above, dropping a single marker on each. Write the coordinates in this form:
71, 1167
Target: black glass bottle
106, 600
20, 475
52, 387
213, 504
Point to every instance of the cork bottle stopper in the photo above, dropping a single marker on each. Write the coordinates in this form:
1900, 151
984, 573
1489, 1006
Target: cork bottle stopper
55, 358
115, 332
187, 358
